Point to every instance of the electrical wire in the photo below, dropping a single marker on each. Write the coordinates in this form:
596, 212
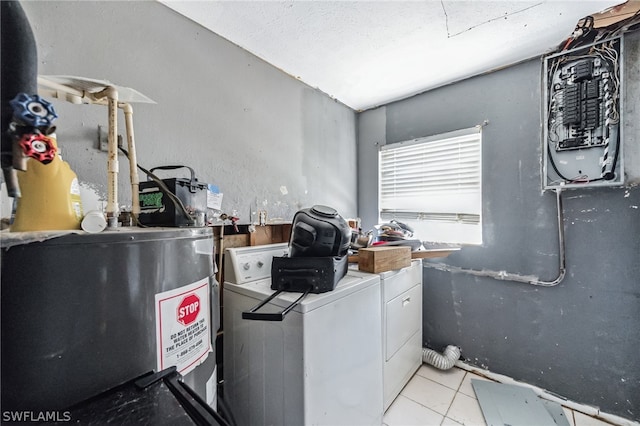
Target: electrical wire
585, 33
581, 32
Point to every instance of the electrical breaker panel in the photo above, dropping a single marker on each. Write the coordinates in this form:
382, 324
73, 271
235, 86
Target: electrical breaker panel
582, 117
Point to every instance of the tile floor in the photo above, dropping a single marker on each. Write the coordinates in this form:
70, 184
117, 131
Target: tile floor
434, 397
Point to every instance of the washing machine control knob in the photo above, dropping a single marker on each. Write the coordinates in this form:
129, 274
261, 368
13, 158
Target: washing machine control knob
260, 264
246, 266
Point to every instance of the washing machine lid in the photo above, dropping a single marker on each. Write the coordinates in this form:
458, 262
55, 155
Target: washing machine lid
261, 289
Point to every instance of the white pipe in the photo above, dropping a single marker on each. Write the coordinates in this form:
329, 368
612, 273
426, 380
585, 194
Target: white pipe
112, 162
133, 161
442, 361
54, 89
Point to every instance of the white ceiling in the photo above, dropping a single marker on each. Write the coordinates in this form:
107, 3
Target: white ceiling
369, 53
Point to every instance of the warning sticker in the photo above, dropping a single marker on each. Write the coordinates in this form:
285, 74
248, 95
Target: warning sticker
182, 326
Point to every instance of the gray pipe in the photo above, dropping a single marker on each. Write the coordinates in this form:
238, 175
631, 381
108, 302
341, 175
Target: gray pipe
442, 361
508, 276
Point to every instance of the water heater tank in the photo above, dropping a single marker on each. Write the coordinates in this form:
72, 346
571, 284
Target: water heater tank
80, 312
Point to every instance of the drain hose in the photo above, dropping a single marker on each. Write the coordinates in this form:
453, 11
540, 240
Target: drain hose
443, 361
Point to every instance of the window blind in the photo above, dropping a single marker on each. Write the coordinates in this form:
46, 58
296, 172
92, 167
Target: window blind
433, 178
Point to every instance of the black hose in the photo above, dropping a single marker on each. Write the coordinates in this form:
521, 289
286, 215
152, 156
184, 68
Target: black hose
19, 74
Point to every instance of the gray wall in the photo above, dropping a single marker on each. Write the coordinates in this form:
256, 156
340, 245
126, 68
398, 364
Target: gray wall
579, 339
267, 140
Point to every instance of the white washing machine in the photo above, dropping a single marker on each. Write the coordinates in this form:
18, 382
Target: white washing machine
320, 365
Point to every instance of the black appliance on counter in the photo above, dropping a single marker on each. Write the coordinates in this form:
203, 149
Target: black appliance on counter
317, 260
173, 201
319, 231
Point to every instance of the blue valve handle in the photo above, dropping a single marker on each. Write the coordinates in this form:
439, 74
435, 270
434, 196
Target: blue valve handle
32, 110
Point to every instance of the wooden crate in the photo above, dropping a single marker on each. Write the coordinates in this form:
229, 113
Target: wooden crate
383, 258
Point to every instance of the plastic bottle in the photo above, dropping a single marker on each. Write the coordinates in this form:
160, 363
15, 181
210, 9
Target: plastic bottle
50, 197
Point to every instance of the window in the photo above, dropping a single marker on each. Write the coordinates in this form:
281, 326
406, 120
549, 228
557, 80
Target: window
433, 184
